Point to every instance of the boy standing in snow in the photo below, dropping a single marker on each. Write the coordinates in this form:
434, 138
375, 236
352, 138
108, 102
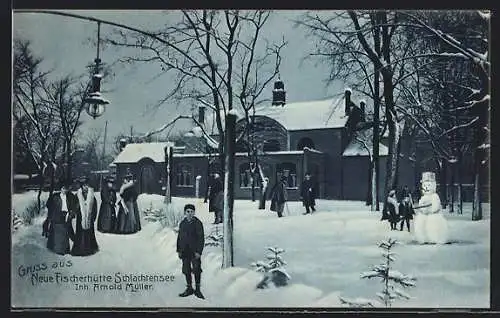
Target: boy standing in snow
190, 244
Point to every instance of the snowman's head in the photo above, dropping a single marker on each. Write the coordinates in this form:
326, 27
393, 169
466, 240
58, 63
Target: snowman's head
428, 187
428, 183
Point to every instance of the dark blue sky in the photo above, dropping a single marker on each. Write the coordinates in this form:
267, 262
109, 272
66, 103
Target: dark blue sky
64, 44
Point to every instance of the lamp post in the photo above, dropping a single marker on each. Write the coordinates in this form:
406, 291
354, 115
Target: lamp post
95, 101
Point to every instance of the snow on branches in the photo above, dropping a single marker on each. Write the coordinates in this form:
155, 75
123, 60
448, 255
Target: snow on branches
215, 237
273, 269
391, 279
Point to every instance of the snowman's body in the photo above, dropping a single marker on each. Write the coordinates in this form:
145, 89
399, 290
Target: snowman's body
429, 224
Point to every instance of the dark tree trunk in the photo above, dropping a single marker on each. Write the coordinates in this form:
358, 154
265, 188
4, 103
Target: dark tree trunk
452, 194
69, 163
41, 182
168, 174
477, 212
392, 162
369, 191
254, 175
227, 260
52, 181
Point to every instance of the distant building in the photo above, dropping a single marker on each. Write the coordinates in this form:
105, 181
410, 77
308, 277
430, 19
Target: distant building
327, 138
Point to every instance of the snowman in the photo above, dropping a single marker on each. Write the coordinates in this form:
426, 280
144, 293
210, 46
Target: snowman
430, 224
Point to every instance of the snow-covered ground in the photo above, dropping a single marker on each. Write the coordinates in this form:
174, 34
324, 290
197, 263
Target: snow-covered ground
325, 254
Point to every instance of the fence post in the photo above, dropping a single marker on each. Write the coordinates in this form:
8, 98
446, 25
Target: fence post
198, 178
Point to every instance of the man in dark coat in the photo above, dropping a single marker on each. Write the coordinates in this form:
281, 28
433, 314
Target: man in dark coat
106, 222
279, 196
190, 244
61, 208
216, 198
308, 193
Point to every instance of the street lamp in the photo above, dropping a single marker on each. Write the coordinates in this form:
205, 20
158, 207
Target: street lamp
95, 101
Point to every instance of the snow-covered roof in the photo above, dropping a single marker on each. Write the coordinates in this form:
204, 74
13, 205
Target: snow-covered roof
135, 152
327, 113
358, 144
319, 114
290, 152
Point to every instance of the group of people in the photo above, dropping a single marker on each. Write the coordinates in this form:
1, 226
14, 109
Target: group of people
430, 225
399, 210
279, 195
117, 214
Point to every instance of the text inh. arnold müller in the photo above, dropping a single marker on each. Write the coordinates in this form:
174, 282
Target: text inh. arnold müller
116, 278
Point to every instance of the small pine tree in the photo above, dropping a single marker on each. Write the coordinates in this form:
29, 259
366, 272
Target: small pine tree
390, 278
273, 269
215, 237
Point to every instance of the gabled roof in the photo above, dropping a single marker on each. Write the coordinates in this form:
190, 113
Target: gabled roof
361, 140
135, 152
327, 113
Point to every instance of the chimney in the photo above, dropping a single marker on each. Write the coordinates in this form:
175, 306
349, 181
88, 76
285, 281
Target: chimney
123, 143
201, 114
362, 104
279, 94
347, 96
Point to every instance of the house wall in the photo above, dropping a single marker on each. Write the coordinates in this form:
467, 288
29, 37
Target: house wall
199, 167
328, 141
356, 177
270, 165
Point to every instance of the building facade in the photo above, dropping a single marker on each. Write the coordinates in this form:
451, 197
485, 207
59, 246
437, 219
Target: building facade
326, 138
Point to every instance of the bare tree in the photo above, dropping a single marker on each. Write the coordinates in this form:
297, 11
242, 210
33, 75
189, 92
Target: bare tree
204, 50
397, 58
36, 120
66, 97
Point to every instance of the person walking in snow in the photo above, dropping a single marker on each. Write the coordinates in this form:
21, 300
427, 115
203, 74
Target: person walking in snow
308, 194
190, 244
279, 196
216, 198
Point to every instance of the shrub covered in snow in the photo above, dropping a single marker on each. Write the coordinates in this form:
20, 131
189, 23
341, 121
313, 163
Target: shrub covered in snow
391, 279
215, 237
27, 214
273, 269
170, 215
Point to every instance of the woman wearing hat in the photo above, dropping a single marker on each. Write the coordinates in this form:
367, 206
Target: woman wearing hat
106, 222
128, 219
85, 243
61, 208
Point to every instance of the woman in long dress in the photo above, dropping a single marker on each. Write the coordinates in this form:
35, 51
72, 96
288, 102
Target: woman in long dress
85, 242
57, 226
430, 224
128, 219
106, 222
